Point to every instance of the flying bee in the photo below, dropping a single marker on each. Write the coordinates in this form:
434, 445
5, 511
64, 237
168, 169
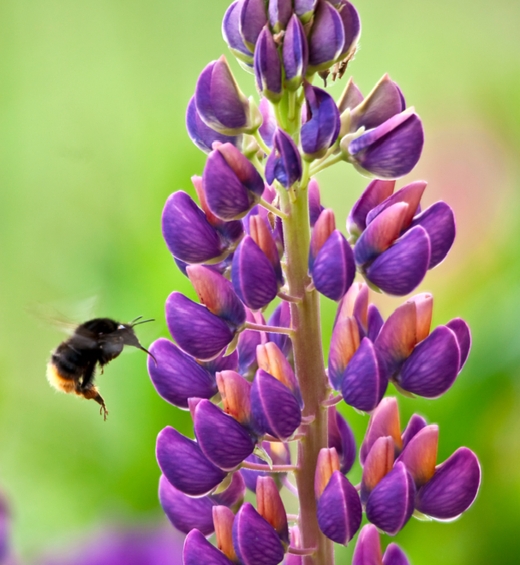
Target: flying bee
72, 366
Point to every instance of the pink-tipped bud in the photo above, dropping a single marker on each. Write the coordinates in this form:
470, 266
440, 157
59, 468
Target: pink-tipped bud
223, 519
328, 462
420, 455
323, 228
235, 392
270, 506
384, 422
424, 307
263, 237
344, 343
379, 463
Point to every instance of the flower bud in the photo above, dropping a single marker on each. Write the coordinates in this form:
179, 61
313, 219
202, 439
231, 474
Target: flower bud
268, 67
295, 53
275, 408
177, 376
323, 229
271, 508
231, 183
391, 503
326, 38
196, 330
280, 12
334, 268
223, 519
341, 438
187, 232
351, 27
261, 233
284, 163
253, 18
184, 465
217, 294
235, 392
326, 465
384, 421
253, 276
344, 343
304, 9
368, 547
378, 463
321, 128
232, 35
389, 151
363, 384
375, 193
339, 509
394, 555
220, 103
255, 540
197, 550
415, 425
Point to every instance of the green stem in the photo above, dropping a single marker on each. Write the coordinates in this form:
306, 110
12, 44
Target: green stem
272, 209
261, 143
309, 368
336, 159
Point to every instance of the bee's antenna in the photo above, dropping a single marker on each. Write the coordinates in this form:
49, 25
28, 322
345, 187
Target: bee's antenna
136, 323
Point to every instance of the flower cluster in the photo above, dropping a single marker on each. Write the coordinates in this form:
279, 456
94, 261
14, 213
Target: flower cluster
260, 240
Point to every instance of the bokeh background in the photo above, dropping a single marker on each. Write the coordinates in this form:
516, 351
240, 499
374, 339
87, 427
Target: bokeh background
92, 141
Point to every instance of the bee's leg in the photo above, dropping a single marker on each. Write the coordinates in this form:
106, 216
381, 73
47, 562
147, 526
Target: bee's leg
92, 393
87, 379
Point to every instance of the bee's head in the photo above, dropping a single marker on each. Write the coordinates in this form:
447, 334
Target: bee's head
128, 334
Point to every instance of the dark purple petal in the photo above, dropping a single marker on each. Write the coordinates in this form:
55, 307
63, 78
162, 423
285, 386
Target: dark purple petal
295, 53
373, 195
198, 550
453, 488
385, 101
341, 438
401, 268
177, 376
321, 129
253, 18
463, 335
224, 441
334, 269
339, 509
188, 234
184, 465
415, 425
233, 495
315, 207
375, 322
368, 547
219, 101
433, 366
284, 163
185, 512
232, 36
255, 541
268, 66
439, 222
363, 383
394, 555
275, 408
281, 317
326, 38
231, 183
392, 149
202, 135
253, 276
196, 330
390, 505
351, 26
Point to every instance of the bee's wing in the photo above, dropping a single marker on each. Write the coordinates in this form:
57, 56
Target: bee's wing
48, 314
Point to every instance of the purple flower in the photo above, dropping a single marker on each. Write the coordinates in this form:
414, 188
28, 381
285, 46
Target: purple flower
351, 27
270, 506
253, 18
321, 127
326, 38
268, 67
284, 163
341, 439
232, 35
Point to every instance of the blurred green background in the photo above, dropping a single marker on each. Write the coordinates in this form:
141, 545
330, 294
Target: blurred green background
92, 141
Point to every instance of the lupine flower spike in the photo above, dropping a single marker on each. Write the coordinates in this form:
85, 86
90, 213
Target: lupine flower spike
259, 244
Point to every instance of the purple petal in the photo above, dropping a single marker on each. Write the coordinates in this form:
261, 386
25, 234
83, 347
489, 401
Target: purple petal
343, 345
373, 195
410, 194
274, 407
253, 18
202, 135
268, 126
374, 322
270, 506
339, 509
185, 512
196, 330
390, 505
224, 441
295, 52
253, 276
184, 465
392, 149
315, 207
280, 11
368, 547
415, 425
304, 7
188, 234
384, 421
433, 366
197, 550
233, 495
401, 268
438, 220
363, 383
350, 97
463, 335
177, 376
281, 317
351, 26
453, 488
326, 38
284, 163
268, 67
255, 541
334, 269
394, 555
231, 33
341, 438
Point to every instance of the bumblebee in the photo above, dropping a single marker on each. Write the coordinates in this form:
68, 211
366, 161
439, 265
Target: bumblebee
72, 366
